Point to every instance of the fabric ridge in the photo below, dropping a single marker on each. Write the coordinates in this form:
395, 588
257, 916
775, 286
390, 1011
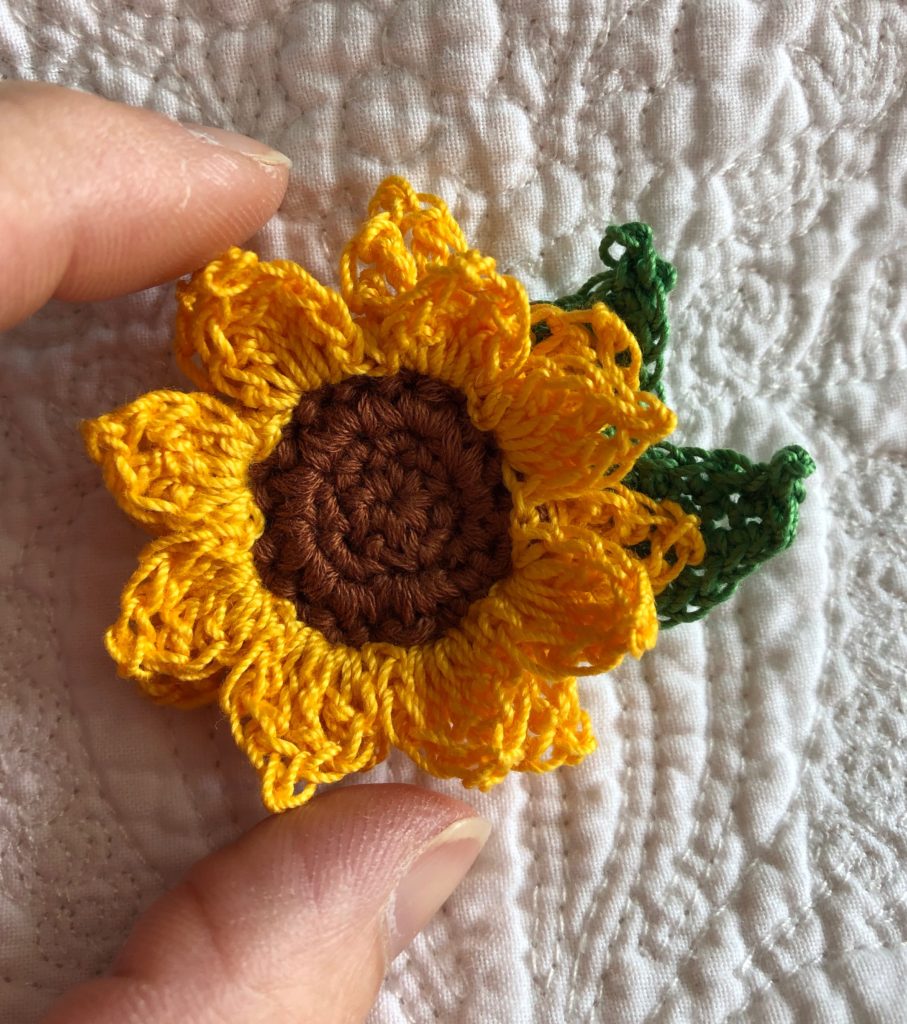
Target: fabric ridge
735, 849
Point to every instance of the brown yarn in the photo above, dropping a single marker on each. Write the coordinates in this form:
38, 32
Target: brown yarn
386, 512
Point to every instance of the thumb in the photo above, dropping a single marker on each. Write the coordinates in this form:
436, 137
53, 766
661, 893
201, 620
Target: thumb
295, 921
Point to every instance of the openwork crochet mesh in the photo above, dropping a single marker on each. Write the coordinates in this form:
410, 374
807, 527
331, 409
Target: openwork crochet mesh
422, 507
387, 514
747, 511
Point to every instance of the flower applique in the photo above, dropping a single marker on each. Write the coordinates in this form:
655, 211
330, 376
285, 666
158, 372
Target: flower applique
420, 508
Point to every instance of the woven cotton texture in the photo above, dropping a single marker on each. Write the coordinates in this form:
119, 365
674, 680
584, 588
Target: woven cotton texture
734, 850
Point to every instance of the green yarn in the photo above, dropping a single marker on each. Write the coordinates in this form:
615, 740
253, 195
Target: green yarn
635, 285
748, 511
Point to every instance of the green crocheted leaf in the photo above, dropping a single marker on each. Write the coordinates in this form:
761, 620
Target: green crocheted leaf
748, 512
635, 285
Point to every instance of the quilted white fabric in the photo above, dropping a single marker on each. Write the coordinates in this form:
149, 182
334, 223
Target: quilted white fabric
736, 849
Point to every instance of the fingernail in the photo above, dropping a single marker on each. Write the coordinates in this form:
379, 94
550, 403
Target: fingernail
434, 875
239, 144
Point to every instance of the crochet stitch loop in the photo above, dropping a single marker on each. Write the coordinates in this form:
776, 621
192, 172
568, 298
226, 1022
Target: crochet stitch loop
748, 512
635, 285
496, 690
387, 514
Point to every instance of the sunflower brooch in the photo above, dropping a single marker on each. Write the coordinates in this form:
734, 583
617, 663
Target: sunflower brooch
422, 507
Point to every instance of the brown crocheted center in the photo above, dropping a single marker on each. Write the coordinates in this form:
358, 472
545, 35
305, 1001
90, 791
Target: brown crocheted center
386, 512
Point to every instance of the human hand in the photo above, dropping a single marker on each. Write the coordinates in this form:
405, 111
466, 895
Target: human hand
299, 918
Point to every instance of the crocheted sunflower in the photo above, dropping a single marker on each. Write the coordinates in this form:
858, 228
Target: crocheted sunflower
421, 508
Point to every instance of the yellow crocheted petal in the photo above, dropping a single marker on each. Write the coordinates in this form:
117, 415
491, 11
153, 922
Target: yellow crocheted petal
560, 729
461, 712
193, 606
172, 460
183, 693
574, 420
497, 693
263, 332
465, 324
660, 534
405, 235
305, 712
575, 603
598, 329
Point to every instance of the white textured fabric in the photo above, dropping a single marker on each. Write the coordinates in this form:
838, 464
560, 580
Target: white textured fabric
736, 848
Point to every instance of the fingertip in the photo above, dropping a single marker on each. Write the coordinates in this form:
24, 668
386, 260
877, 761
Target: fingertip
97, 198
302, 913
429, 880
257, 151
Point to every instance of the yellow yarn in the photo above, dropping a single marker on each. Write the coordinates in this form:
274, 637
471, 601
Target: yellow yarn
498, 692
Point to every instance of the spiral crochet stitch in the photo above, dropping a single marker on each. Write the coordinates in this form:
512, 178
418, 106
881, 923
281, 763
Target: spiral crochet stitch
387, 514
422, 507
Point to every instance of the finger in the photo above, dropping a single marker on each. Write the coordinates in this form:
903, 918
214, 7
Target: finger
97, 198
296, 921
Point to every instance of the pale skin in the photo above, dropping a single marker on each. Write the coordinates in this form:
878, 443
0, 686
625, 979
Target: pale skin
297, 920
